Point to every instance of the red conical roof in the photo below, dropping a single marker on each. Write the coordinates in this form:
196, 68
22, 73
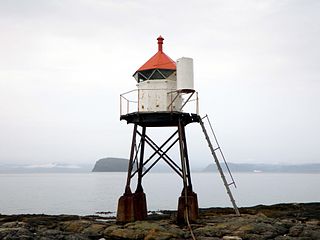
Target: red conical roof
159, 61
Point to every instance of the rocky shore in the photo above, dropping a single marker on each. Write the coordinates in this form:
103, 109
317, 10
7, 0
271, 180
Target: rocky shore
281, 222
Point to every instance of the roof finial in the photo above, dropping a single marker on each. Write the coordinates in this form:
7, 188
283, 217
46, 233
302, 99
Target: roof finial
160, 42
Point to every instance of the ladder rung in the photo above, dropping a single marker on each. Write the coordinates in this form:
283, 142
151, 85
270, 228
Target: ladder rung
216, 149
232, 183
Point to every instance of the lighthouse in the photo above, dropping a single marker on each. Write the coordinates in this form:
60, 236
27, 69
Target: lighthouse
165, 89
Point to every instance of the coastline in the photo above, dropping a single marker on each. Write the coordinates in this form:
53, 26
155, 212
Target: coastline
279, 221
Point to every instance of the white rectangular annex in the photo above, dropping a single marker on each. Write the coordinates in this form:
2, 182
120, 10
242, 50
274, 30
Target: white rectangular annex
157, 96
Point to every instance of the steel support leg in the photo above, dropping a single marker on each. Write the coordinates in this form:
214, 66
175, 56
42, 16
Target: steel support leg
133, 206
188, 209
131, 160
140, 165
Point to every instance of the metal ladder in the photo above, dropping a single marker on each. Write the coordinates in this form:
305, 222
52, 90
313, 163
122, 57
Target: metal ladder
213, 152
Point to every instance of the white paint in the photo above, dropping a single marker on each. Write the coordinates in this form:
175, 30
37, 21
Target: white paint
185, 74
157, 96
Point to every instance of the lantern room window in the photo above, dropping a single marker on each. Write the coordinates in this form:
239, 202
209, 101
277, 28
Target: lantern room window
153, 74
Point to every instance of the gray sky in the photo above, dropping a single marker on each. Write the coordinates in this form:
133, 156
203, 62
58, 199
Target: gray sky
64, 63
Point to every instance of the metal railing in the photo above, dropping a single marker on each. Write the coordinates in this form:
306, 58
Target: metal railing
129, 101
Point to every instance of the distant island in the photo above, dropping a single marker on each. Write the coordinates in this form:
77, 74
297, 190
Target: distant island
111, 165
267, 168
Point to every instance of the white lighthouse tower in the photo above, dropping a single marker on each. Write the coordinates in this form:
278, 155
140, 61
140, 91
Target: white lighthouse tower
164, 93
164, 88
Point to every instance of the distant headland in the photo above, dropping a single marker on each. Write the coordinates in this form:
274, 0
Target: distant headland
111, 165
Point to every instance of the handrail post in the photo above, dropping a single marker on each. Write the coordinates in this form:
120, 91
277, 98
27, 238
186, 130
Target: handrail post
120, 105
138, 100
127, 106
197, 103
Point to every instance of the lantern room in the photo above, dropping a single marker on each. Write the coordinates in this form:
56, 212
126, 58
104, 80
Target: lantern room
158, 67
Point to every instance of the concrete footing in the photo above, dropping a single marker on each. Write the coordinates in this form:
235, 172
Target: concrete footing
132, 207
192, 208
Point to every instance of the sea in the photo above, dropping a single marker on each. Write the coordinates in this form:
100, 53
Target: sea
92, 193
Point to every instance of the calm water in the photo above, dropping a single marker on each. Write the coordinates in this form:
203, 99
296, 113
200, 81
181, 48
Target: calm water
87, 193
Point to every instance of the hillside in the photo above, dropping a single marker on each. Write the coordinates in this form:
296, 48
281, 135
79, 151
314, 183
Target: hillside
111, 165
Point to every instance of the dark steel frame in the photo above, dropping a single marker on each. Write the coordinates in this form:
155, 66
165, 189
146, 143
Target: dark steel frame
140, 139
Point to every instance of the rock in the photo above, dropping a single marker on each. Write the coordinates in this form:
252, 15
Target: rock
312, 232
313, 222
14, 224
5, 231
246, 228
52, 234
231, 238
156, 228
126, 233
94, 230
107, 231
144, 226
15, 233
255, 237
144, 229
296, 230
154, 234
76, 226
207, 238
277, 222
218, 230
287, 238
76, 237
